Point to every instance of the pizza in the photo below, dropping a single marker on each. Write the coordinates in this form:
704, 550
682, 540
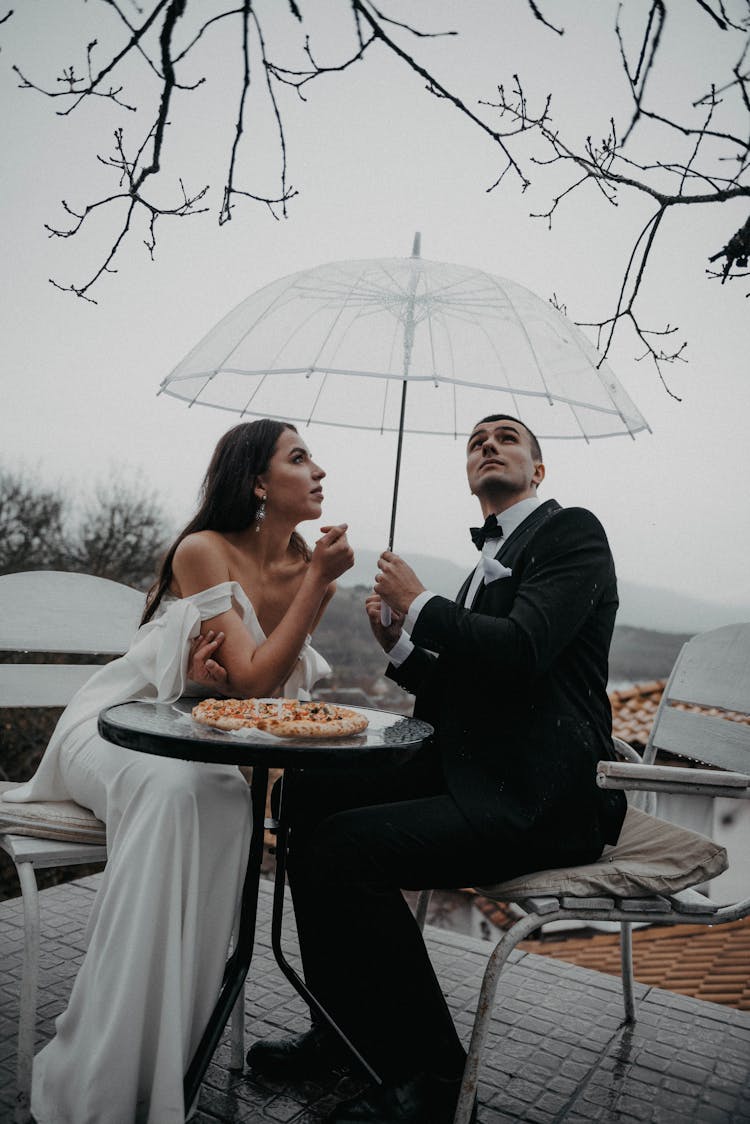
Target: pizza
286, 718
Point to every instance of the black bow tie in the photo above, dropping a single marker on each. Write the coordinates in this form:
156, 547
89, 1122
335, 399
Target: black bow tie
491, 529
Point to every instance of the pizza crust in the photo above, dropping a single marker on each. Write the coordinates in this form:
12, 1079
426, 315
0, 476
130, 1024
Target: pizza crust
295, 720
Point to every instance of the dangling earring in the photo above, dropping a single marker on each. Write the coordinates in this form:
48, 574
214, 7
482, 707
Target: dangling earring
260, 514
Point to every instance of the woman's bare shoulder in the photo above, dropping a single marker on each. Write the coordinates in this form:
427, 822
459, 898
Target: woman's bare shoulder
202, 544
202, 560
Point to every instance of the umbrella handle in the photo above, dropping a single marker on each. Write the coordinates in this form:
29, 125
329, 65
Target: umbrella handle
385, 614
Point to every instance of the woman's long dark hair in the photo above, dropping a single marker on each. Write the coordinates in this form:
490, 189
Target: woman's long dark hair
228, 500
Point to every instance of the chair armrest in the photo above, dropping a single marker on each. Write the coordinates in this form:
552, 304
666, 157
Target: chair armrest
625, 751
668, 778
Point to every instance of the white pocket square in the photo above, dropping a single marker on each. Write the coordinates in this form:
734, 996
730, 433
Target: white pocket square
494, 570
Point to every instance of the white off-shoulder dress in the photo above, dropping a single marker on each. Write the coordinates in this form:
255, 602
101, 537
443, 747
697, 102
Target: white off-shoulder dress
177, 840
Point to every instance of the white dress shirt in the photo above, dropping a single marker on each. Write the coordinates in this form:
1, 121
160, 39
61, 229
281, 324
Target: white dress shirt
487, 569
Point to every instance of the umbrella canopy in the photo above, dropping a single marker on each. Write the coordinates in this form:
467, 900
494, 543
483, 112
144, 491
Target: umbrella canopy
334, 345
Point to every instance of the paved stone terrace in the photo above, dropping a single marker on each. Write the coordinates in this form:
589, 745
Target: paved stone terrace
558, 1049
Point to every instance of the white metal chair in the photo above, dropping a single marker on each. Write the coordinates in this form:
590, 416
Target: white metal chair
61, 614
68, 614
651, 874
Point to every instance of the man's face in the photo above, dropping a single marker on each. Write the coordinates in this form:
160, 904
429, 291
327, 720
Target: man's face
499, 462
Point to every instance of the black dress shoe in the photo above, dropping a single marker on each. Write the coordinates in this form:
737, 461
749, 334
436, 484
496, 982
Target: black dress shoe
423, 1099
314, 1054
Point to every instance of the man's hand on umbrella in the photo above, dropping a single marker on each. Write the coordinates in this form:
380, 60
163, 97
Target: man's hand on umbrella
396, 583
386, 635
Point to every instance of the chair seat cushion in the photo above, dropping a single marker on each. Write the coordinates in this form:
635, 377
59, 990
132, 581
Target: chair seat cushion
650, 857
50, 819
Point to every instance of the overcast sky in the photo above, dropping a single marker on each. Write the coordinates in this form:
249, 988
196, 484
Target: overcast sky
375, 158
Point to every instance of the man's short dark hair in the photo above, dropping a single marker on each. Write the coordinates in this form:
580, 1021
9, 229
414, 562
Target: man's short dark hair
536, 449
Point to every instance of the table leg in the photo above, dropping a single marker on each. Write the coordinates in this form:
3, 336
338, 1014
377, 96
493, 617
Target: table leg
276, 925
239, 962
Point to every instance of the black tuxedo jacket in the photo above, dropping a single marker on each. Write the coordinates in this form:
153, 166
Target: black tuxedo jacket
516, 690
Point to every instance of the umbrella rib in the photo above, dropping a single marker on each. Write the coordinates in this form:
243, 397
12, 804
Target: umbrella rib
261, 316
355, 318
611, 396
440, 319
480, 326
494, 281
313, 366
322, 327
422, 378
503, 371
272, 368
317, 398
388, 381
419, 432
326, 338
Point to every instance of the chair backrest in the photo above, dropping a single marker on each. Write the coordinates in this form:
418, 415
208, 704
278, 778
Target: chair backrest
65, 614
712, 672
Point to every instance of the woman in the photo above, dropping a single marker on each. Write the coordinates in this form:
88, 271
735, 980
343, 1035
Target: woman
177, 832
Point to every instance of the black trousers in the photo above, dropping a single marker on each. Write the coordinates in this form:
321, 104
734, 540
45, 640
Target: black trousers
355, 842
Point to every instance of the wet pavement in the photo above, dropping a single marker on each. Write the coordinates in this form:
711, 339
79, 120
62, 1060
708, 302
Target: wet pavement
558, 1049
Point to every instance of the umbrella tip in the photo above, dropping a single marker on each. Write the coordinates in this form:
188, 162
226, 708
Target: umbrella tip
417, 246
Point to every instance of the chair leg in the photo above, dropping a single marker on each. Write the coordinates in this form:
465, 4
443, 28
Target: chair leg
29, 988
237, 1056
422, 903
237, 1052
626, 963
495, 965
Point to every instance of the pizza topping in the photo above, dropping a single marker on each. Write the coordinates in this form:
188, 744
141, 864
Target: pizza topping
283, 717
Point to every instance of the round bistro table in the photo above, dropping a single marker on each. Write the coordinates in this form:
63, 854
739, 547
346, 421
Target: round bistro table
167, 730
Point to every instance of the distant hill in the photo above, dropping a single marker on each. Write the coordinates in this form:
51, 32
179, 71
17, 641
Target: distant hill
640, 654
437, 574
641, 606
651, 607
344, 638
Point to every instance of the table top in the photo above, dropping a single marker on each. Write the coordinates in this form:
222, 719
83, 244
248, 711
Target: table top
166, 729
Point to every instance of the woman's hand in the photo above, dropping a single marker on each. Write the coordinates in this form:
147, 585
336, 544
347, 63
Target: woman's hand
332, 555
202, 667
386, 635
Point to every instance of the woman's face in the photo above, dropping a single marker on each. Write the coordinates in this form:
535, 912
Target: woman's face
292, 480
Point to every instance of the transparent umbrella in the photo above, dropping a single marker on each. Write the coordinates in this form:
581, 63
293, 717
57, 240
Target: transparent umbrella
343, 343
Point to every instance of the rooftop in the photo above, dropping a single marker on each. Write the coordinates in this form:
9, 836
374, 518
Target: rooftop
695, 960
711, 963
634, 710
558, 1050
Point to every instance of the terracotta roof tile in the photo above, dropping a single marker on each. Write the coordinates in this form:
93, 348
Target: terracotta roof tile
706, 962
634, 710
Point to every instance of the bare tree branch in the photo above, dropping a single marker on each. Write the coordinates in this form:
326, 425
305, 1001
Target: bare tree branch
435, 87
703, 154
736, 252
650, 45
408, 27
538, 15
90, 85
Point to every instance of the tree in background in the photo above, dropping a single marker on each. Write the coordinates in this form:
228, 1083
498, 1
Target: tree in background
119, 533
32, 533
154, 57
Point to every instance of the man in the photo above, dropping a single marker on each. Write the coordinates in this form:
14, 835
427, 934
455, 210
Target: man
512, 675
